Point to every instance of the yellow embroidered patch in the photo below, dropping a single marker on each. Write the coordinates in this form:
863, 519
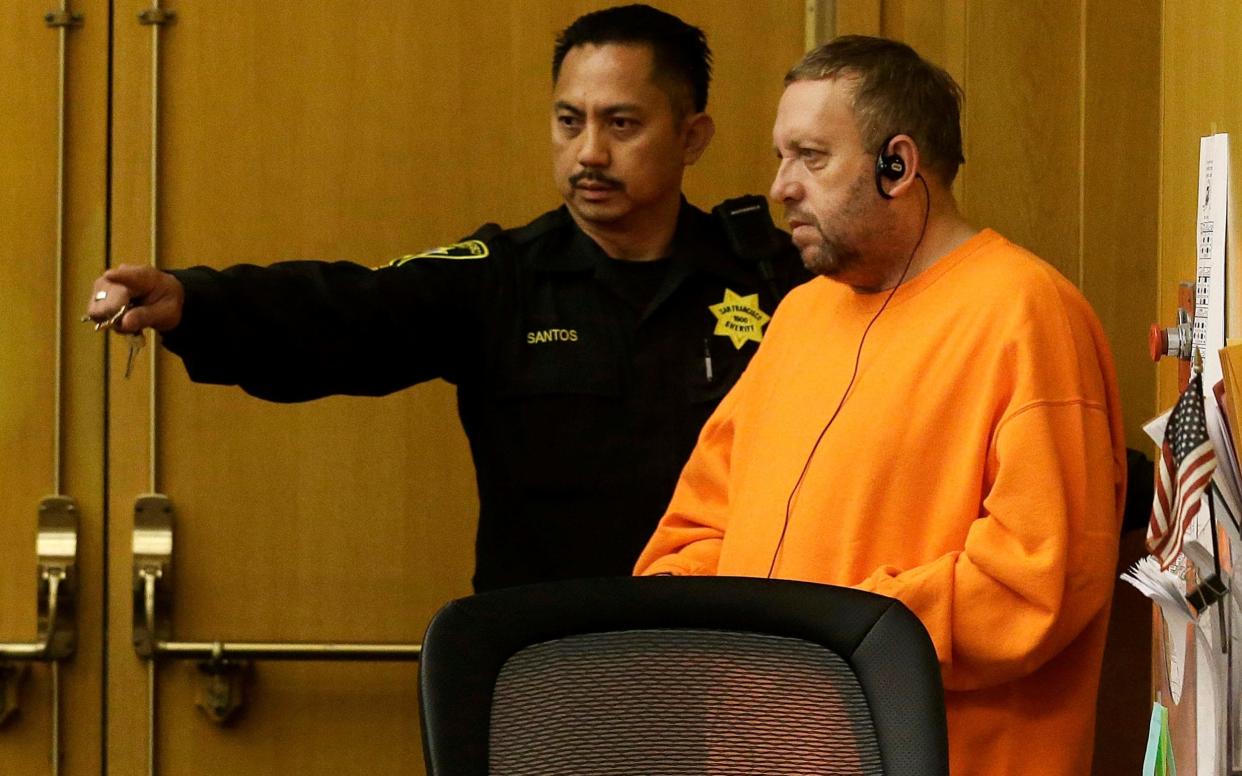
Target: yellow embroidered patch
470, 249
739, 318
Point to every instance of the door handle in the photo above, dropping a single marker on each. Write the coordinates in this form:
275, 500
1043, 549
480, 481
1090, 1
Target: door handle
56, 550
226, 665
153, 546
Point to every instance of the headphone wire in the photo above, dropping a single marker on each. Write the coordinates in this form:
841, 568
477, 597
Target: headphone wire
853, 375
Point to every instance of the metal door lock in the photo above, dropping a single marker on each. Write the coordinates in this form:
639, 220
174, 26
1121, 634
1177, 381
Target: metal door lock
223, 691
62, 19
227, 666
56, 558
156, 16
152, 581
11, 677
57, 549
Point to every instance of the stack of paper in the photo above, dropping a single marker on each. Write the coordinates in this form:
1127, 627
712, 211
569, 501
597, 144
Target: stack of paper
1168, 591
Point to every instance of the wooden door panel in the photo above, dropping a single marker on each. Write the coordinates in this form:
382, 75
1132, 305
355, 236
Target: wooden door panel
33, 465
284, 136
27, 240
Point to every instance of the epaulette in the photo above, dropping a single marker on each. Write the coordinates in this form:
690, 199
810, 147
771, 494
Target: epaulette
537, 228
473, 247
748, 226
486, 232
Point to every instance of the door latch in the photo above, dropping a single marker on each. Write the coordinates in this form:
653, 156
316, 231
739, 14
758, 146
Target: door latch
152, 583
56, 556
223, 691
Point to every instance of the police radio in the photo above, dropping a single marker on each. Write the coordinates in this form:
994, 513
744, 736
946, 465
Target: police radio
752, 235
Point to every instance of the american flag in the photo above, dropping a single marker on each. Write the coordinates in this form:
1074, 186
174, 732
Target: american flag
1187, 461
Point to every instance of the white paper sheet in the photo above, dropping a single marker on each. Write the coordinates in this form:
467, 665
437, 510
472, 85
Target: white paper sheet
1209, 328
1168, 591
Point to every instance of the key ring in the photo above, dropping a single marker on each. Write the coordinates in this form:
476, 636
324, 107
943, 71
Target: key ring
115, 317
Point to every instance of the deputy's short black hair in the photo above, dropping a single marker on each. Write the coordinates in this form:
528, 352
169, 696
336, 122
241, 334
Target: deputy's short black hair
681, 60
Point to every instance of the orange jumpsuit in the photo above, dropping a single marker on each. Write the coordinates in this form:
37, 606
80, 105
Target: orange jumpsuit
976, 472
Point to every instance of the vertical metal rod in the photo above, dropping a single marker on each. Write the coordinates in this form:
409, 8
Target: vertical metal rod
148, 579
155, 135
59, 369
149, 606
151, 716
58, 390
153, 481
55, 718
54, 578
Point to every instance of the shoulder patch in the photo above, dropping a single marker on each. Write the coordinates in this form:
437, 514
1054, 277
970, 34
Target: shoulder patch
466, 250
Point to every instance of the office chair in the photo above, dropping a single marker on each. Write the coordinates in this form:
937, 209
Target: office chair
672, 676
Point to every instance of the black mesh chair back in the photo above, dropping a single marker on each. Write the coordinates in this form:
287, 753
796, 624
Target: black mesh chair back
680, 676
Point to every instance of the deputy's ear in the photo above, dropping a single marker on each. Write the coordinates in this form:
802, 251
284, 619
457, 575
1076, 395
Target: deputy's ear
696, 134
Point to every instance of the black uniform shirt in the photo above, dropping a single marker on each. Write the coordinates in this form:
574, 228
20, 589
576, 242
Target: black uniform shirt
582, 384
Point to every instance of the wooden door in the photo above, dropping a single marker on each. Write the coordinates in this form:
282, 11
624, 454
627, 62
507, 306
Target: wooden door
51, 366
333, 130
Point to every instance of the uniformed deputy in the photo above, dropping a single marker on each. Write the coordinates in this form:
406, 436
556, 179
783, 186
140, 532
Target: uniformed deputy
588, 347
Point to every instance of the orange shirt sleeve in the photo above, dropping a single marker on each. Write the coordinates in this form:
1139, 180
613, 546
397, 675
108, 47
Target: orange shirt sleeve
1038, 562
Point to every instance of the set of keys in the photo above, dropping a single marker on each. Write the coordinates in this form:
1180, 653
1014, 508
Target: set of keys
136, 340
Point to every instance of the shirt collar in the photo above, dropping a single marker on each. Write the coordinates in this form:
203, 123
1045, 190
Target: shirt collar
698, 245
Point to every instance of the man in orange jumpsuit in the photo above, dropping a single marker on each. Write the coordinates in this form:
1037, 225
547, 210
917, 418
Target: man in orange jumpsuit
935, 418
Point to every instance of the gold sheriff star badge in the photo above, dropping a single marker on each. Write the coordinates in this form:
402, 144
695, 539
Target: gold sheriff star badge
739, 318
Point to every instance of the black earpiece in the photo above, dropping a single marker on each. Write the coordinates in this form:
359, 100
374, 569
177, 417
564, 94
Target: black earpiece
890, 166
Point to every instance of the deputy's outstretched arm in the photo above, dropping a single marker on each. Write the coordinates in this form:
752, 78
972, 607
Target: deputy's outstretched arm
300, 330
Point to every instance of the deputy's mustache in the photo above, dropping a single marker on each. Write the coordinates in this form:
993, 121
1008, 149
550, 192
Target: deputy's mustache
595, 176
